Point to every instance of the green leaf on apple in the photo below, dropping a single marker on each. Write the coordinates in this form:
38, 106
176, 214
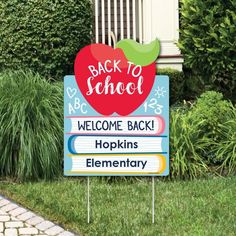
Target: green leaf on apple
140, 54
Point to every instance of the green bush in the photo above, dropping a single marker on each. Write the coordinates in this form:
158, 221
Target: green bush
194, 86
225, 149
177, 83
208, 39
203, 136
43, 36
212, 108
185, 141
31, 126
219, 129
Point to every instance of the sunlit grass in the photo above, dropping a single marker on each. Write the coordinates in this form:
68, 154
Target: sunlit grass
199, 207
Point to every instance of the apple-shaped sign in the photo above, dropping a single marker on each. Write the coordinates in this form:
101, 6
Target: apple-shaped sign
116, 80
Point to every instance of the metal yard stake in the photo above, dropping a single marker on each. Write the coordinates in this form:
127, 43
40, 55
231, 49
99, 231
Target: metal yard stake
88, 201
153, 200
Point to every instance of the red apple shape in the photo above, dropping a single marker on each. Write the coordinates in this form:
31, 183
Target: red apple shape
110, 83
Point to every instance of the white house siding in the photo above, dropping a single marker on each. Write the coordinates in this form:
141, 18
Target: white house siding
161, 20
131, 20
152, 19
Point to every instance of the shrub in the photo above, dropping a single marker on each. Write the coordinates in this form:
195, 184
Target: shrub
185, 146
219, 129
43, 35
203, 136
208, 39
177, 83
211, 106
194, 85
225, 150
31, 126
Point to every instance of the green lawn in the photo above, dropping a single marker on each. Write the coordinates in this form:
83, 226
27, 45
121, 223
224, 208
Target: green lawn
200, 207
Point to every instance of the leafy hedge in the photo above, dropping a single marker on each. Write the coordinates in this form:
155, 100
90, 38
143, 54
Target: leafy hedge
208, 39
31, 126
43, 36
177, 83
203, 137
218, 130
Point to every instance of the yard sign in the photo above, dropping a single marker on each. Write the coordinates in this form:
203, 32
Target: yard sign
116, 113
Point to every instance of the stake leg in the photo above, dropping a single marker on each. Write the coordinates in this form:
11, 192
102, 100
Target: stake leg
153, 200
88, 200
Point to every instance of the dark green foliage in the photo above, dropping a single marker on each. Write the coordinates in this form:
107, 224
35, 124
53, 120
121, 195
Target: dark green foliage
219, 129
203, 136
177, 83
31, 126
43, 36
212, 108
194, 85
225, 149
185, 146
208, 40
